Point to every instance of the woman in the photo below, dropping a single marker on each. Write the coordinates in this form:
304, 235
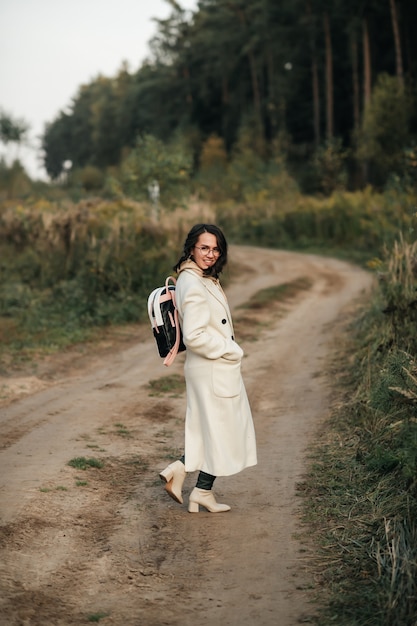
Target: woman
219, 433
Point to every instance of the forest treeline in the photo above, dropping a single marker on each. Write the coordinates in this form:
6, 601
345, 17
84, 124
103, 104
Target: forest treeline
326, 84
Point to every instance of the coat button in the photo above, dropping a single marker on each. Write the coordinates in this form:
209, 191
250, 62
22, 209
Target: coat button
223, 321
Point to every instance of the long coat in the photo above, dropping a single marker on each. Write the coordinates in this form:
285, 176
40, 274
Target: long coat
219, 432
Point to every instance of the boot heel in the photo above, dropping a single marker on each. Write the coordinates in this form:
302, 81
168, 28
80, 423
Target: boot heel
166, 475
174, 476
193, 507
205, 498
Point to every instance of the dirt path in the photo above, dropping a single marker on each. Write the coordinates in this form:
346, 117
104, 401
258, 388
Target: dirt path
108, 544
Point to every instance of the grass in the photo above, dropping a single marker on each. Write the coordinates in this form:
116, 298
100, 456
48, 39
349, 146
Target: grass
360, 491
365, 563
81, 462
174, 385
96, 617
122, 431
277, 293
20, 347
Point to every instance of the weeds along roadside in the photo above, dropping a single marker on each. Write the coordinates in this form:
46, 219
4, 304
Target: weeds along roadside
355, 225
360, 496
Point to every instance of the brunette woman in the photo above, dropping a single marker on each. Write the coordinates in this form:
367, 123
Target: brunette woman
219, 432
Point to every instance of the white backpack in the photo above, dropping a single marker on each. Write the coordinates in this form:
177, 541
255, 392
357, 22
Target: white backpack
163, 316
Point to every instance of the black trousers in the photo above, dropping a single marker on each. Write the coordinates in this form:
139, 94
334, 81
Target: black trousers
204, 480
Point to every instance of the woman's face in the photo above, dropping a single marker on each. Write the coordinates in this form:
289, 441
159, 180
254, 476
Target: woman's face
206, 251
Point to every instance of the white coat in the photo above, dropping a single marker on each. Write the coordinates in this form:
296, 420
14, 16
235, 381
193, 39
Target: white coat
219, 432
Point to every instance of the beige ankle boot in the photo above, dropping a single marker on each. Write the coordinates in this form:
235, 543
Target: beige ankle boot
174, 476
205, 498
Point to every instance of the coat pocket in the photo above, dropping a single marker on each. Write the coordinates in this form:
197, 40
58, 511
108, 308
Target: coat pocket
226, 378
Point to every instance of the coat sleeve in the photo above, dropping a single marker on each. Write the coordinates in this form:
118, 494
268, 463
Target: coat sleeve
198, 334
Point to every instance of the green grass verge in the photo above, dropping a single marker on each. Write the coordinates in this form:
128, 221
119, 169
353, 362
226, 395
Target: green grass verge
360, 490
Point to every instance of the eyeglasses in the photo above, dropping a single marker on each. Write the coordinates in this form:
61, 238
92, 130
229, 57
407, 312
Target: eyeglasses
205, 250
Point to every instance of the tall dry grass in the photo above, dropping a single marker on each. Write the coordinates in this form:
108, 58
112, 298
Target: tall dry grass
361, 492
357, 224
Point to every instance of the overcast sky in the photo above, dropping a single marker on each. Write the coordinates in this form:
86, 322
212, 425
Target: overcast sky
48, 48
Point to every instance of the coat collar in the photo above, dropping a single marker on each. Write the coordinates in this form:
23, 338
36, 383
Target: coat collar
211, 284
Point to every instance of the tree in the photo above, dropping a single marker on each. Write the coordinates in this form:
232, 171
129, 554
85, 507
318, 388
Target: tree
12, 130
13, 177
314, 74
397, 41
154, 165
213, 167
329, 77
385, 132
56, 144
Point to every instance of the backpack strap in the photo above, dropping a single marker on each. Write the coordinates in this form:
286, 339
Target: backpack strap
152, 310
169, 359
